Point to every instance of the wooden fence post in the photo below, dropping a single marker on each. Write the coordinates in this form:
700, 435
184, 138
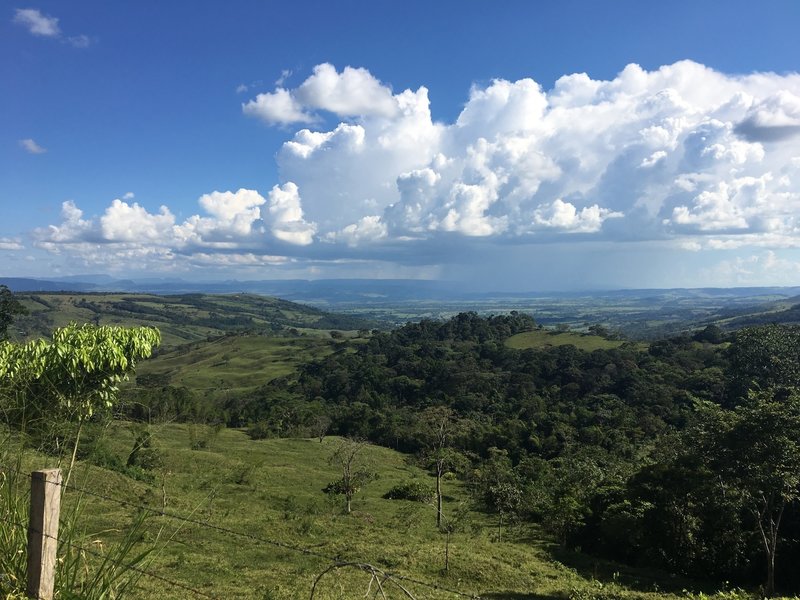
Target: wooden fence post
43, 533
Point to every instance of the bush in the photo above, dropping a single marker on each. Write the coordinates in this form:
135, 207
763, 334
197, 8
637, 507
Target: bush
417, 491
144, 455
260, 431
103, 456
201, 436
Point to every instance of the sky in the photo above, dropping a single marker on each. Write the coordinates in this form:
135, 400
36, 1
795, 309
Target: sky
512, 145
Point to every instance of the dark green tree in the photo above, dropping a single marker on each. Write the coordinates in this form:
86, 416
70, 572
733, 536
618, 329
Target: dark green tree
560, 492
712, 334
9, 308
755, 450
762, 358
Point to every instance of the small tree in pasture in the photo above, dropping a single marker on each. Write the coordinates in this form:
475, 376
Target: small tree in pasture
438, 426
355, 475
320, 425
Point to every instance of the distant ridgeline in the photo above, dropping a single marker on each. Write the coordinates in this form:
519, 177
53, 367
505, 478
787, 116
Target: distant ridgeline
645, 314
181, 318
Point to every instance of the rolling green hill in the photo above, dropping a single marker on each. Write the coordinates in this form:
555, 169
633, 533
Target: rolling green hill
181, 318
216, 346
232, 364
780, 312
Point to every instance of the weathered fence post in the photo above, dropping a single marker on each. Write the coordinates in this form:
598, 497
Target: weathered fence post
43, 533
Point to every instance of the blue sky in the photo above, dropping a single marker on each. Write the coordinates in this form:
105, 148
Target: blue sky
516, 145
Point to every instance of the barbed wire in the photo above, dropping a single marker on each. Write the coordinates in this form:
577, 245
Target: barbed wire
336, 560
127, 567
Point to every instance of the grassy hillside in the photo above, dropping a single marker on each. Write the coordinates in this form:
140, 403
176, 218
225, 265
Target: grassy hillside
271, 489
544, 338
181, 318
232, 364
778, 312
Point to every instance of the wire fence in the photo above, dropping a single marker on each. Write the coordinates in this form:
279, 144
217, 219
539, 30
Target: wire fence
335, 561
105, 557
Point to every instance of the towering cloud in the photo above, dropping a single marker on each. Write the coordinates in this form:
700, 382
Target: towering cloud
683, 150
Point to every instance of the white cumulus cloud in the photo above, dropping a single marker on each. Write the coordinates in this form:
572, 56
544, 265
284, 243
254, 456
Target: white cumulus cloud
232, 218
40, 24
123, 222
285, 216
644, 155
368, 229
10, 244
683, 156
72, 229
242, 226
564, 216
31, 146
278, 107
353, 92
36, 22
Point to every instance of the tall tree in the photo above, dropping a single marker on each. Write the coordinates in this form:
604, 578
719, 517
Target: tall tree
9, 307
755, 450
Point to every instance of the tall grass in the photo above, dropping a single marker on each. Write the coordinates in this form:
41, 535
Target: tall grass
13, 537
85, 569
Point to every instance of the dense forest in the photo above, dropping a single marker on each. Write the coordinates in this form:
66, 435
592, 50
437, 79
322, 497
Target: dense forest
683, 456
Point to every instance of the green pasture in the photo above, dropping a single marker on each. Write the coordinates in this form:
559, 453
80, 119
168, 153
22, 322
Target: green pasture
235, 363
545, 338
270, 491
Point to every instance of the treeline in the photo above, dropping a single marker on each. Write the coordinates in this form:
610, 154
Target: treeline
684, 456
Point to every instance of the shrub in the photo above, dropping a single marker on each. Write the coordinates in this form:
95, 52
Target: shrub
260, 431
418, 491
144, 455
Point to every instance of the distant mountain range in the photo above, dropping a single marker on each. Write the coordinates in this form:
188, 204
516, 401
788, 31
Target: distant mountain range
321, 290
368, 291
